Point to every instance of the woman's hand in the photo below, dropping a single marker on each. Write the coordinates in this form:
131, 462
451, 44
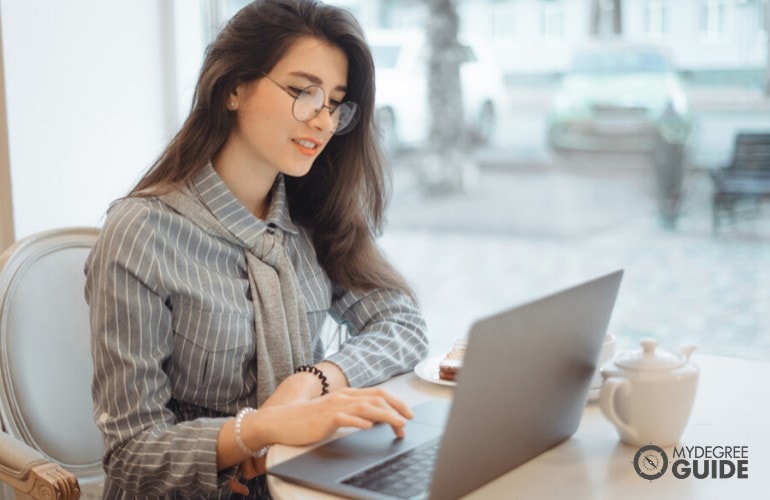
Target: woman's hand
248, 469
297, 388
310, 421
304, 386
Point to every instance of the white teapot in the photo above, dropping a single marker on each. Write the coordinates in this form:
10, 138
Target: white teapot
648, 394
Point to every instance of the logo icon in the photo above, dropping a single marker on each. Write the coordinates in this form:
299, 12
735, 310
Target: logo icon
650, 462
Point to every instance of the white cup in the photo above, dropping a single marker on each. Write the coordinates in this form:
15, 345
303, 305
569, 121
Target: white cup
607, 354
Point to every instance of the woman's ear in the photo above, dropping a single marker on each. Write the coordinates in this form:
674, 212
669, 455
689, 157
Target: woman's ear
233, 100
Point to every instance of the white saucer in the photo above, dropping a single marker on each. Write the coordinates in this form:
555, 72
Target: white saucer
428, 371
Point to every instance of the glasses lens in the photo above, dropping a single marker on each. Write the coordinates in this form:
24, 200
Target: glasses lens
308, 103
347, 115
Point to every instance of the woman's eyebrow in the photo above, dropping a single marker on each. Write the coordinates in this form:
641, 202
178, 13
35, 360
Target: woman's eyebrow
315, 80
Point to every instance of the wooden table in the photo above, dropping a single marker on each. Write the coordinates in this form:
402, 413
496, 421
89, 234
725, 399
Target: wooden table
732, 408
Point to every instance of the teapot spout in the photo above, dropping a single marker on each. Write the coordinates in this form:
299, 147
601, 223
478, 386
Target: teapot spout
686, 351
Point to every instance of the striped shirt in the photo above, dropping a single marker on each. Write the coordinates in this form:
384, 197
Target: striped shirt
173, 335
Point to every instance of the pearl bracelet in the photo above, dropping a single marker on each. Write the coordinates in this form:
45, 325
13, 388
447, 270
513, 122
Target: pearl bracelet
239, 440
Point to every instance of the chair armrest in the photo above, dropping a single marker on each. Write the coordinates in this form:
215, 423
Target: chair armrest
30, 473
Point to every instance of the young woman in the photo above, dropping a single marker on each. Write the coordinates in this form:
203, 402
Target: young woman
210, 282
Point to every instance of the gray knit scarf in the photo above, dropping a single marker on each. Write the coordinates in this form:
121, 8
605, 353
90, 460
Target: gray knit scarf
282, 334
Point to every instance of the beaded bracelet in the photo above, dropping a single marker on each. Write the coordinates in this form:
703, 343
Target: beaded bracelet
239, 440
318, 373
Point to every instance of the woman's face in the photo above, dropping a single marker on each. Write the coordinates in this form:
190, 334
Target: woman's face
266, 135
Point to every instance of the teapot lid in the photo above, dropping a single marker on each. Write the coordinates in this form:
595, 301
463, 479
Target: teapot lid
649, 358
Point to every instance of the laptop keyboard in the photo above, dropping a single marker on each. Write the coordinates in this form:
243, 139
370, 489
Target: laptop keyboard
405, 476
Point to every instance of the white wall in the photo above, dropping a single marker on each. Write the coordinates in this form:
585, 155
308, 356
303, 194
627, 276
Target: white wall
87, 104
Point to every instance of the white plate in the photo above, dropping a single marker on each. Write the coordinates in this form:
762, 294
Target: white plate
428, 371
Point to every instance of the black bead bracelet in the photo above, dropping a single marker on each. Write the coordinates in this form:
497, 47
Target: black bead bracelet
318, 373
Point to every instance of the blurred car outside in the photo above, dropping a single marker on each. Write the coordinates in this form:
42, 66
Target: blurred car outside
400, 59
614, 97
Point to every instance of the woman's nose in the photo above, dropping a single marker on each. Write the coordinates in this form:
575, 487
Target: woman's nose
323, 120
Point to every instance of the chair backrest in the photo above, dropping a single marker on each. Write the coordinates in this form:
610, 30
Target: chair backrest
45, 360
751, 151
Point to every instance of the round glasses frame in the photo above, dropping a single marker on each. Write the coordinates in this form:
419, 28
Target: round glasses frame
310, 101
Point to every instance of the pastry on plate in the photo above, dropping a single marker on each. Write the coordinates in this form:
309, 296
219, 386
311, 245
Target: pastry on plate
451, 364
449, 368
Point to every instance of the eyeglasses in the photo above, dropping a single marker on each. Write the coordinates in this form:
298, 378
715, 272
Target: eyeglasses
309, 101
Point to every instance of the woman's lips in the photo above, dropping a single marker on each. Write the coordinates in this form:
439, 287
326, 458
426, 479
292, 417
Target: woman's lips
308, 147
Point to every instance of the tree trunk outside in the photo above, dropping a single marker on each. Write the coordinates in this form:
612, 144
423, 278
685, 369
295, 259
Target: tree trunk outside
617, 17
445, 90
594, 19
600, 26
447, 166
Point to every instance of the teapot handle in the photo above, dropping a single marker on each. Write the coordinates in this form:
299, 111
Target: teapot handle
607, 403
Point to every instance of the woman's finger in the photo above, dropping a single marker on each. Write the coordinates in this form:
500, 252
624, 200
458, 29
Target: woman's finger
385, 397
398, 431
249, 469
371, 414
374, 412
260, 465
348, 420
238, 487
371, 405
399, 405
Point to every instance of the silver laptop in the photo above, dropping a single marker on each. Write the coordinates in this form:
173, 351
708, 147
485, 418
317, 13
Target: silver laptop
521, 391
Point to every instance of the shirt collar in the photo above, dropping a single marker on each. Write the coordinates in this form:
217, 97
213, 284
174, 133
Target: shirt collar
278, 213
223, 204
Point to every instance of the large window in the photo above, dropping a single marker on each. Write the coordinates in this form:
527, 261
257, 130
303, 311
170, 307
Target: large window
656, 18
713, 19
552, 20
578, 173
503, 21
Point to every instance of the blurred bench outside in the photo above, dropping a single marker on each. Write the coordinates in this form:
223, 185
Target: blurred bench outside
745, 179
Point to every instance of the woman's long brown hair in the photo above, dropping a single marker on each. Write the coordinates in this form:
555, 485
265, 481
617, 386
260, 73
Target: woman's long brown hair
342, 199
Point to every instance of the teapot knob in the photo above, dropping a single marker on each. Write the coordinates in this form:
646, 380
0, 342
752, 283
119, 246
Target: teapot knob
648, 346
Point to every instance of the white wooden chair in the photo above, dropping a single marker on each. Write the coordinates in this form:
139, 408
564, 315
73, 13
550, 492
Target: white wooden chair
49, 444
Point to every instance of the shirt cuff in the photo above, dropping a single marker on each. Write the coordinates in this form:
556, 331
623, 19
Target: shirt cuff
208, 433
